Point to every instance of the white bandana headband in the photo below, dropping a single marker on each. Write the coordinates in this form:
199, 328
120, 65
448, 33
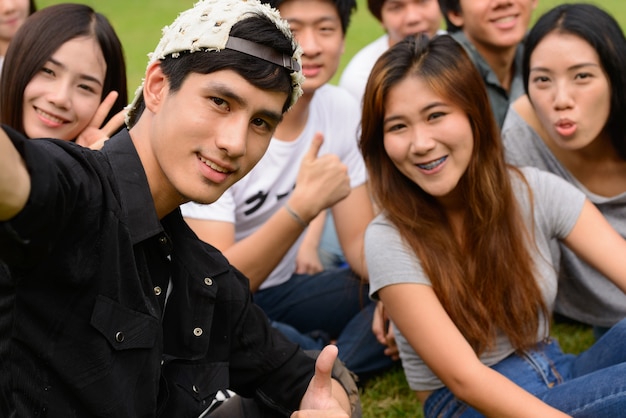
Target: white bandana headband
206, 27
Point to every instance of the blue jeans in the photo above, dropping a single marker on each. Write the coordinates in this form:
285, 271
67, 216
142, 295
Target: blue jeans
334, 304
329, 250
592, 384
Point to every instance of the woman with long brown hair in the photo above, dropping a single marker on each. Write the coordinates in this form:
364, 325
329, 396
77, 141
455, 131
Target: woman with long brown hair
460, 254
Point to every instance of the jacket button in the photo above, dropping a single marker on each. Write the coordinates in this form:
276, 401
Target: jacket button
195, 389
208, 281
157, 290
163, 240
197, 332
119, 337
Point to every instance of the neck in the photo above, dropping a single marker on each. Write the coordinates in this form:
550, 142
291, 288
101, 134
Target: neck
295, 119
501, 61
165, 198
4, 45
597, 152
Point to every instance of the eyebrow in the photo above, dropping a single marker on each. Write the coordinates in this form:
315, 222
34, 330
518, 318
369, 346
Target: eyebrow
82, 76
323, 19
573, 67
225, 91
422, 110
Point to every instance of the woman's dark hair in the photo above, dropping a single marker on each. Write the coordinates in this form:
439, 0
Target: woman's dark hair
43, 33
492, 263
600, 30
260, 73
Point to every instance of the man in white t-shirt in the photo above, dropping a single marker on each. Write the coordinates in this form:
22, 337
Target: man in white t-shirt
312, 163
399, 18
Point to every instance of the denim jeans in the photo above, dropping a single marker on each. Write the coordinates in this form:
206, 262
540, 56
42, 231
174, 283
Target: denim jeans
334, 304
592, 384
329, 250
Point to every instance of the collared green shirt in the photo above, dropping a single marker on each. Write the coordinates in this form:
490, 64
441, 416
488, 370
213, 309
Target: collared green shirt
499, 98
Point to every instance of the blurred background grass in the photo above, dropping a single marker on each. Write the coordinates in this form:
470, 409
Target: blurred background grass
139, 23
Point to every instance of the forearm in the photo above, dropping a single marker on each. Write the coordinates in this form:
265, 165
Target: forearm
14, 179
354, 254
257, 255
496, 396
313, 234
352, 216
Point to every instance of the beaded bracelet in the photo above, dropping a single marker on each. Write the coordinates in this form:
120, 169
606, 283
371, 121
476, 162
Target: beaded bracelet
295, 216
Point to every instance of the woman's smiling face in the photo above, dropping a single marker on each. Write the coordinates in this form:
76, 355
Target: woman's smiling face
62, 98
427, 137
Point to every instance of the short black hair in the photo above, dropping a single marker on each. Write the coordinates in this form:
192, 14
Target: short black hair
345, 8
446, 7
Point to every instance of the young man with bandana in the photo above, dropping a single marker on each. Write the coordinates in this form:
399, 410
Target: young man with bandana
262, 222
120, 311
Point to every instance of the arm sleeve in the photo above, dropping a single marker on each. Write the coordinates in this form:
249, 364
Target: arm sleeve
60, 173
389, 259
557, 203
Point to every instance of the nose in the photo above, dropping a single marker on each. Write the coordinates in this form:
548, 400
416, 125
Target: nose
500, 4
414, 13
422, 142
233, 137
7, 6
562, 96
307, 38
60, 94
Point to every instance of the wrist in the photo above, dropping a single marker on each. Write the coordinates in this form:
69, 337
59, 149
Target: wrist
295, 216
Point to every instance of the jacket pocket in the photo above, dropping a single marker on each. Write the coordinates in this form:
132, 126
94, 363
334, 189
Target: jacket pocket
124, 328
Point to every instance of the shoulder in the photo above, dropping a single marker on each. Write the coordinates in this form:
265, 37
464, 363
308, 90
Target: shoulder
523, 144
335, 108
382, 236
368, 54
389, 259
547, 188
355, 74
332, 97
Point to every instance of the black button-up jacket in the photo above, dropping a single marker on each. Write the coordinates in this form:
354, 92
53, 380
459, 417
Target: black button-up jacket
87, 334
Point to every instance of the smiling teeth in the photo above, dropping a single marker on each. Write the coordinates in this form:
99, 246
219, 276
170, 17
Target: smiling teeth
505, 19
432, 164
49, 116
213, 166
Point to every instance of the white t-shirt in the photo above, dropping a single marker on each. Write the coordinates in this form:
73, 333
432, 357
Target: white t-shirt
357, 71
556, 208
256, 197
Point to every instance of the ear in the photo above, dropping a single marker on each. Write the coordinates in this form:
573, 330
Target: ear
155, 87
456, 18
534, 4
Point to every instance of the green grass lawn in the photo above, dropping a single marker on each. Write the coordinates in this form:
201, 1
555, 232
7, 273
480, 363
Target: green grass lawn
389, 395
139, 23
